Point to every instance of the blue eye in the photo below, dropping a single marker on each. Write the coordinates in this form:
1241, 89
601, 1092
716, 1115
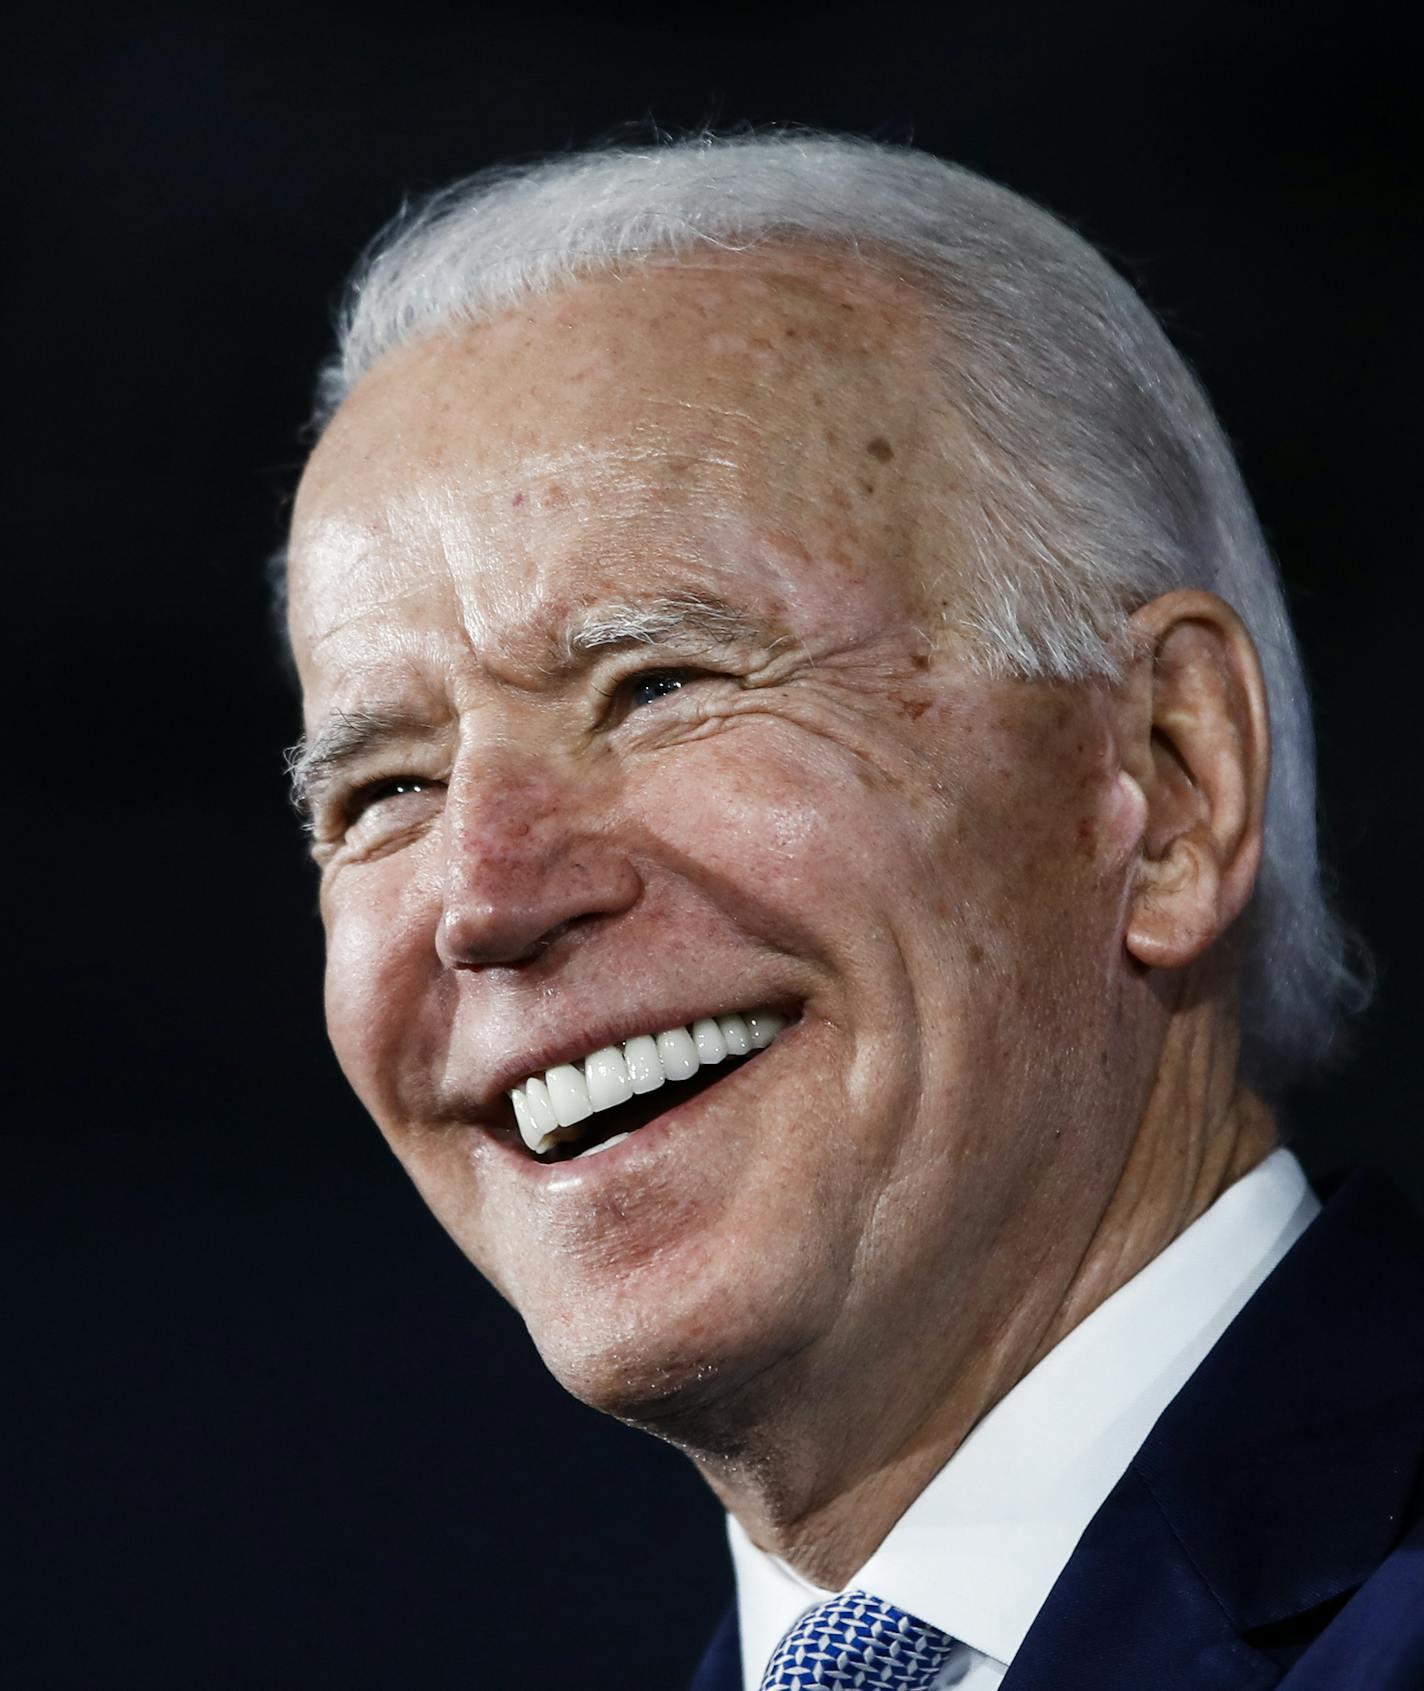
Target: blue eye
657, 684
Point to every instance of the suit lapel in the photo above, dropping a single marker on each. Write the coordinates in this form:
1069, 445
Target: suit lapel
1130, 1610
1275, 1482
721, 1666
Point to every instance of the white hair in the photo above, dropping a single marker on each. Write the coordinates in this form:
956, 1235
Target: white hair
1104, 477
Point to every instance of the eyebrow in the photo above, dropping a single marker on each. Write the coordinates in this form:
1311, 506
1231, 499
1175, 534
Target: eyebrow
349, 735
646, 622
345, 736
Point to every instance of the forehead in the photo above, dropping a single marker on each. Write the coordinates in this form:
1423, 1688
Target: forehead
771, 418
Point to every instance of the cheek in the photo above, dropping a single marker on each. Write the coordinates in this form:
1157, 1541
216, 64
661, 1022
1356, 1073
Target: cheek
789, 841
379, 956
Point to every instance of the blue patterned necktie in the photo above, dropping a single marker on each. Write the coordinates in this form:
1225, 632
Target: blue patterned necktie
856, 1642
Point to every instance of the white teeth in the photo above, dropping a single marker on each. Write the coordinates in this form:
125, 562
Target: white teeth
527, 1130
736, 1033
645, 1069
542, 1120
547, 1106
678, 1053
604, 1145
763, 1026
609, 1082
711, 1047
568, 1094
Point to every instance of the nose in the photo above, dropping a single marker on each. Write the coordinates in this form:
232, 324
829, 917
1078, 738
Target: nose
524, 861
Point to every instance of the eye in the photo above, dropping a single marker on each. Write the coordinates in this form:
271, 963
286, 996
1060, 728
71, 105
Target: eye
654, 684
372, 795
374, 791
646, 686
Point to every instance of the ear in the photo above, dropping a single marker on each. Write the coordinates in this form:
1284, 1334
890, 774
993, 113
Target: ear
1195, 737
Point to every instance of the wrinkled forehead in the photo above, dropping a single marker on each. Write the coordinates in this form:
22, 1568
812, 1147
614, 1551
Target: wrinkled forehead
629, 419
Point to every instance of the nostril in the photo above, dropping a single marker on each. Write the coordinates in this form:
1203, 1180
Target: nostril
554, 935
491, 920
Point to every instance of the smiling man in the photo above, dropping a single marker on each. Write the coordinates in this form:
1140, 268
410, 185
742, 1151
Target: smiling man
789, 673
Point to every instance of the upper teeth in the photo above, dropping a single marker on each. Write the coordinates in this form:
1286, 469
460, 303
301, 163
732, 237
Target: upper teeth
545, 1105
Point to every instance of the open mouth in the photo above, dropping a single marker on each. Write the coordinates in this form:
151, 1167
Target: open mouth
577, 1109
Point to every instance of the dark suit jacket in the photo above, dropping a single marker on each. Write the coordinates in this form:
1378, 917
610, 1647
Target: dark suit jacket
1270, 1532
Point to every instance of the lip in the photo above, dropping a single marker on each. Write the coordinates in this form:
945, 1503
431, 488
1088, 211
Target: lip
580, 1172
492, 1105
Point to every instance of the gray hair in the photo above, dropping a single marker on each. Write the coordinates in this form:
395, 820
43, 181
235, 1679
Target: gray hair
1103, 480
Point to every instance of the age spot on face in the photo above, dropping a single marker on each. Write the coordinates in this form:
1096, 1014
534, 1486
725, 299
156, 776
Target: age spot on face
913, 706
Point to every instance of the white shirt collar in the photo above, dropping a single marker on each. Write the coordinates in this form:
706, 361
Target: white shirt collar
978, 1551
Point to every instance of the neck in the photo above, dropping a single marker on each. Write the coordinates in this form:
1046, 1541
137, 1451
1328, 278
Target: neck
822, 1471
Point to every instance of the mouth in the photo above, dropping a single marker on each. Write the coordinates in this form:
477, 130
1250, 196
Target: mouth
579, 1108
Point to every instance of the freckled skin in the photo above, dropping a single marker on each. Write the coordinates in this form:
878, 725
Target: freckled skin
867, 1238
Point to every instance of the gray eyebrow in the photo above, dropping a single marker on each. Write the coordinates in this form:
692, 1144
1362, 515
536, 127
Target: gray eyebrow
646, 622
344, 736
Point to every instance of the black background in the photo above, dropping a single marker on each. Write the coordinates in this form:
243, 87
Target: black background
270, 1429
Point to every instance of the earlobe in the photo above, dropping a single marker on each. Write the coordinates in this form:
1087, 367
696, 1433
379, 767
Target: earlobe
1176, 912
1195, 739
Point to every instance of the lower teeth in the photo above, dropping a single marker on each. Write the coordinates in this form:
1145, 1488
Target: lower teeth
603, 1145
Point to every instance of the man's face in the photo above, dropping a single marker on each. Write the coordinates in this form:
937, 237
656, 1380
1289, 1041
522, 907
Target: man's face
798, 796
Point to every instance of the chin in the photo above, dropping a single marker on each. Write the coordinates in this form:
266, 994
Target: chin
691, 1380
